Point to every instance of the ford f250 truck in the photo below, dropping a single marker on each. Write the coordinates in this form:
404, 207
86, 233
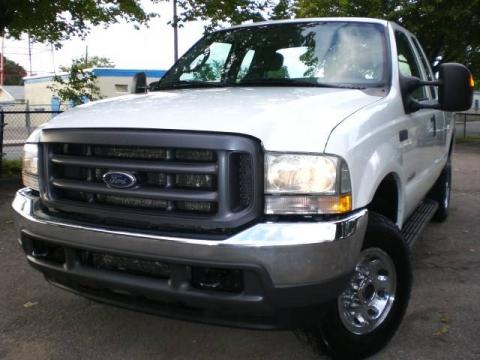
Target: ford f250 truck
276, 177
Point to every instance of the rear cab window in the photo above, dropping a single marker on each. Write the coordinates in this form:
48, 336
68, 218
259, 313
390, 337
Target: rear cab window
426, 66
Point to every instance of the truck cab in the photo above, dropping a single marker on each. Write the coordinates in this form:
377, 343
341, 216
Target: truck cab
275, 177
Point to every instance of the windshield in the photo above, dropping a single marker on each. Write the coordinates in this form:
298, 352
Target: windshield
336, 54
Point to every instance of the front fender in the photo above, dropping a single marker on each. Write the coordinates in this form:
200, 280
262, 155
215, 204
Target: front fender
368, 141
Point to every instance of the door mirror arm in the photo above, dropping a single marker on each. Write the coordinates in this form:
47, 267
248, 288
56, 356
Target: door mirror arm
408, 84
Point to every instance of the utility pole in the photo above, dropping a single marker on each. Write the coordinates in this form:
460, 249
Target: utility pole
175, 31
86, 55
2, 69
52, 50
30, 54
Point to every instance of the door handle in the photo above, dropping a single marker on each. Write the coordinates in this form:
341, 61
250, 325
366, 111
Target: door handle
433, 120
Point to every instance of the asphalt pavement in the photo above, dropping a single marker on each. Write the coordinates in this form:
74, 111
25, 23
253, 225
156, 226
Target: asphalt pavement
39, 321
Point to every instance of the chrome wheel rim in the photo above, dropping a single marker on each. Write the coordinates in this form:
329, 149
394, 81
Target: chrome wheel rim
369, 297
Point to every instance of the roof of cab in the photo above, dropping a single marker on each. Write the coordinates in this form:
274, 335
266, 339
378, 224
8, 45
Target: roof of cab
320, 19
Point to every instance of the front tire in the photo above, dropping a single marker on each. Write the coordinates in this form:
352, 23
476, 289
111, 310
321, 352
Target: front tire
366, 315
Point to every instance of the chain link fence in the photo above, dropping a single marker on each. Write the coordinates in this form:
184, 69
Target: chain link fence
17, 124
15, 127
468, 124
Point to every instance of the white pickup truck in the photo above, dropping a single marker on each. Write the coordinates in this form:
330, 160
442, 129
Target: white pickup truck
275, 177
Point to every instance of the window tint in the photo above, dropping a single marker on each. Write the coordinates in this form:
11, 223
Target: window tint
245, 65
293, 64
426, 65
208, 66
407, 63
350, 53
334, 52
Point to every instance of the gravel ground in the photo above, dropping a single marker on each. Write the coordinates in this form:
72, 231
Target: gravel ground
38, 321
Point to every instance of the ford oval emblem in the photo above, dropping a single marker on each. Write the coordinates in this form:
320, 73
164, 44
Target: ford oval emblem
119, 179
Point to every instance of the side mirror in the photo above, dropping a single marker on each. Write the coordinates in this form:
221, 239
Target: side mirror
455, 89
140, 83
152, 85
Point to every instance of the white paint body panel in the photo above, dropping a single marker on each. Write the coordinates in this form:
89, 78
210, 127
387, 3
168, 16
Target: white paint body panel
283, 118
361, 128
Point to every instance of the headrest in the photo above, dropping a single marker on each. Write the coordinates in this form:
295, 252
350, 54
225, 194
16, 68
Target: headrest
274, 62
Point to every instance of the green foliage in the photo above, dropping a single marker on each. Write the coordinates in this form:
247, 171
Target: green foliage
93, 61
53, 21
223, 11
13, 72
361, 8
282, 10
209, 72
11, 168
446, 28
79, 84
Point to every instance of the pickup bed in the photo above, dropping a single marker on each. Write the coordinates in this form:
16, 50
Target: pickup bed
274, 178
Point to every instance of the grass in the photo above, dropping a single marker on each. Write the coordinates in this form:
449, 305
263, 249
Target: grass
11, 169
468, 139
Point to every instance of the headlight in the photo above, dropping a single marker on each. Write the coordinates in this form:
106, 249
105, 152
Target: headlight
306, 184
30, 166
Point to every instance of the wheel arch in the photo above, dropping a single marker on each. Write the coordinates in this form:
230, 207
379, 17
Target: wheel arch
386, 197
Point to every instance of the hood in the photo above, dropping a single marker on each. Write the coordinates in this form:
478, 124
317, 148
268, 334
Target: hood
283, 118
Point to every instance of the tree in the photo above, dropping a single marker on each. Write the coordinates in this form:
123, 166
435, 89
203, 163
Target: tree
282, 10
79, 84
13, 72
54, 21
446, 28
91, 62
223, 11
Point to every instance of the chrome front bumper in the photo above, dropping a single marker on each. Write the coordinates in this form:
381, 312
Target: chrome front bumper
291, 253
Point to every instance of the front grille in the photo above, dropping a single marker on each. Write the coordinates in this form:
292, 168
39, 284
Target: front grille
177, 180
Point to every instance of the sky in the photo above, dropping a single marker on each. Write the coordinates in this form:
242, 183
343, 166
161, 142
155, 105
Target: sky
147, 48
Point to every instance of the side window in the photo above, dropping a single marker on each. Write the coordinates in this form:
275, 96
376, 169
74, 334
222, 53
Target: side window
245, 65
209, 65
407, 63
426, 66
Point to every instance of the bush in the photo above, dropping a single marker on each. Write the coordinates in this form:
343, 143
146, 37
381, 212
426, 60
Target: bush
11, 168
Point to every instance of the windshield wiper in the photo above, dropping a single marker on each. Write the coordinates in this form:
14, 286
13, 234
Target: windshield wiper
188, 84
296, 82
276, 82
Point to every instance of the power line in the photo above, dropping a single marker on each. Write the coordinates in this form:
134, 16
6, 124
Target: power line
26, 54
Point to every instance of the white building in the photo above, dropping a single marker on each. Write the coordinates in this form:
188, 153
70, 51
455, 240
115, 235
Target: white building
111, 82
476, 101
12, 94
